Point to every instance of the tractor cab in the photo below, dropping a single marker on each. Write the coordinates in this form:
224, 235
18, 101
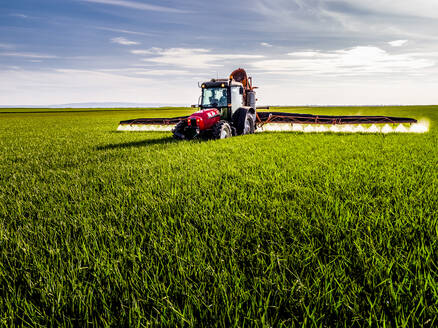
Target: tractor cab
225, 96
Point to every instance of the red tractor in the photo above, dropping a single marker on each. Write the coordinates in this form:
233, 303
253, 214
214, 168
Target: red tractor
227, 108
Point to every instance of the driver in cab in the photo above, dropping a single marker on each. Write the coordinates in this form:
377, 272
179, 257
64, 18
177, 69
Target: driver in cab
223, 100
213, 100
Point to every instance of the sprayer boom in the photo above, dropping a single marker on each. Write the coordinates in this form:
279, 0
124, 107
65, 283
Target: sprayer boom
292, 118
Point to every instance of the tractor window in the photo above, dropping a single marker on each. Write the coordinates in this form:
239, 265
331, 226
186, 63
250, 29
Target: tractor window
236, 99
214, 97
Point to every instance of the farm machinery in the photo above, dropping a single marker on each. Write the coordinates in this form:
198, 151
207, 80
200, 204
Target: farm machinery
228, 108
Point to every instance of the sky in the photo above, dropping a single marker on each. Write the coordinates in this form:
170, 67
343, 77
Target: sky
299, 52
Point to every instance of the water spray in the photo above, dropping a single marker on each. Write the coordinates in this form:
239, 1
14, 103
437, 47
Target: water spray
420, 127
145, 127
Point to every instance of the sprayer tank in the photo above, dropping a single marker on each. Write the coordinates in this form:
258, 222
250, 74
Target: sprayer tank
251, 99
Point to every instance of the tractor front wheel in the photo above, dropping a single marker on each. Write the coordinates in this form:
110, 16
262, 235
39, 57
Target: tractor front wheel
181, 132
178, 131
222, 130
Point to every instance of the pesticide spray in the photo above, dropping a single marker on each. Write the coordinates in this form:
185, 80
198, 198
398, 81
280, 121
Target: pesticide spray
421, 127
146, 128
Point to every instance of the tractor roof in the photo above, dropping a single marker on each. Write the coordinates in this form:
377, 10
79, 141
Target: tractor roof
220, 83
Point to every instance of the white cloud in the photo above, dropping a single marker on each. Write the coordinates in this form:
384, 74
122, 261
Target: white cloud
340, 21
146, 72
138, 6
190, 57
417, 8
6, 46
146, 52
304, 54
123, 31
34, 87
345, 91
19, 15
265, 44
162, 72
27, 55
398, 43
354, 61
123, 41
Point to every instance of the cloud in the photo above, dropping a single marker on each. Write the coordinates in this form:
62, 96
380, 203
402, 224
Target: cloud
6, 46
397, 43
27, 55
138, 6
133, 71
190, 57
328, 23
36, 87
123, 41
281, 16
19, 16
409, 8
162, 72
123, 31
265, 44
355, 61
304, 54
147, 52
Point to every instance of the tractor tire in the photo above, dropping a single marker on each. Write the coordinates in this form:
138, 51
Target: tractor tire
178, 131
249, 125
181, 132
233, 130
243, 121
222, 130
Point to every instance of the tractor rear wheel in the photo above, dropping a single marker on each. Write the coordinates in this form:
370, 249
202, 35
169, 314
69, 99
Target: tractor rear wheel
222, 130
243, 121
249, 125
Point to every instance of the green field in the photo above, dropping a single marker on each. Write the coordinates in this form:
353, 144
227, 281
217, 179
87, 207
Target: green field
99, 227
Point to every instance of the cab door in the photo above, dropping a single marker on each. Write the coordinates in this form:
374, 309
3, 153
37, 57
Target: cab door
236, 98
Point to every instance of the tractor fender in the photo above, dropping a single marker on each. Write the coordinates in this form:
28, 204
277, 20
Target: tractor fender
249, 109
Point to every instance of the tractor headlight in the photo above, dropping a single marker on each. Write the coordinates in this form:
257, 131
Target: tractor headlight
200, 122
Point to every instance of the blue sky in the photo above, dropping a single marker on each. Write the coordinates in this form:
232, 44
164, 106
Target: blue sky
298, 51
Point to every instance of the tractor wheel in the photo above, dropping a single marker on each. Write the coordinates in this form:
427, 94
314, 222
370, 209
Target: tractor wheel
249, 125
233, 131
178, 131
243, 121
222, 130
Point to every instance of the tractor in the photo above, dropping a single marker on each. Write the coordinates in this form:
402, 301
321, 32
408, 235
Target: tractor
227, 108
